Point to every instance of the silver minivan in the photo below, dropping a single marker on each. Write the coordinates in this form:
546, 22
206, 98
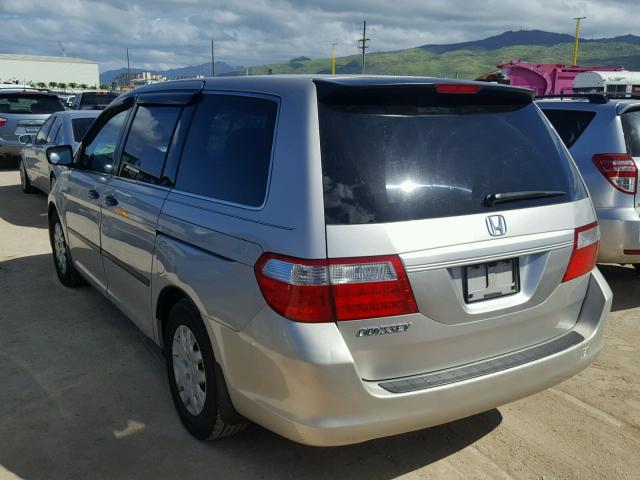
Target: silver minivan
336, 258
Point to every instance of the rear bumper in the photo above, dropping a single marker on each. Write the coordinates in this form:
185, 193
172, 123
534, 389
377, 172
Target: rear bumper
620, 231
300, 381
10, 149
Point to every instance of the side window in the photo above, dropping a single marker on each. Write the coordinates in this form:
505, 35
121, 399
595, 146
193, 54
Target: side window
41, 137
55, 128
227, 153
148, 142
569, 123
99, 152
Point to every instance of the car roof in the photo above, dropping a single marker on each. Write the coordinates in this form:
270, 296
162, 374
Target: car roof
71, 114
613, 105
278, 82
30, 91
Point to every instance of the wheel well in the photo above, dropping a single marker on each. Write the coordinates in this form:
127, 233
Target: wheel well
50, 210
168, 297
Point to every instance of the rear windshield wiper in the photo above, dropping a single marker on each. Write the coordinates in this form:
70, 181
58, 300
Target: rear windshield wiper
494, 198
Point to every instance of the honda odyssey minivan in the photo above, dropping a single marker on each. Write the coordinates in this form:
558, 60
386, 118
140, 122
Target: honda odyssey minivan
336, 258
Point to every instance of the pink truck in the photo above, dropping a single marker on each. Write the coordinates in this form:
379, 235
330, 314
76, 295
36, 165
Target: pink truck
544, 78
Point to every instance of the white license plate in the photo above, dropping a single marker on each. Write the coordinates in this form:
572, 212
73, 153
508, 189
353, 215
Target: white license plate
491, 280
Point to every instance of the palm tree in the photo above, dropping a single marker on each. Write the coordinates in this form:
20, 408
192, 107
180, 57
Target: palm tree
62, 85
104, 86
41, 85
53, 84
84, 86
73, 85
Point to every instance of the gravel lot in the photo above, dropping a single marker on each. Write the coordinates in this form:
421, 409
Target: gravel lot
83, 395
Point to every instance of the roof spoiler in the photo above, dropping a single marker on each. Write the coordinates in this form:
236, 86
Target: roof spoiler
591, 97
419, 94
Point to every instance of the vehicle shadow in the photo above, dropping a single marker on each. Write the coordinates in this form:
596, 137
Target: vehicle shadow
625, 285
23, 210
84, 395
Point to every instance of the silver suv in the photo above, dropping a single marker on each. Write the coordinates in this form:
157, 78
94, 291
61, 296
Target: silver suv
23, 111
603, 136
336, 258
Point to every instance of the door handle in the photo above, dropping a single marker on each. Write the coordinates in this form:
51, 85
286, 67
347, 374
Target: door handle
110, 201
94, 194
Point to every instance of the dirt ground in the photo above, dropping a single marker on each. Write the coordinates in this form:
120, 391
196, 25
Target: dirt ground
83, 395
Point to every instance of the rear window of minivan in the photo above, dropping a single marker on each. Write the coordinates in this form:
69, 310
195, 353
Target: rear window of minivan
390, 158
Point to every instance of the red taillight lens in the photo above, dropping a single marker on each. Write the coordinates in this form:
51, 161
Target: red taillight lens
456, 88
619, 169
3, 122
586, 244
335, 289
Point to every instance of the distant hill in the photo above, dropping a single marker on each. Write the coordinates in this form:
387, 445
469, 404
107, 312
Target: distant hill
464, 60
472, 59
191, 71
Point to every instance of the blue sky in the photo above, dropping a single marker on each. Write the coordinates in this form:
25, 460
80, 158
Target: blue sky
163, 34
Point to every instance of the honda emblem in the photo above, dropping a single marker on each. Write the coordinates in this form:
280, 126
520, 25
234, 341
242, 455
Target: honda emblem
497, 225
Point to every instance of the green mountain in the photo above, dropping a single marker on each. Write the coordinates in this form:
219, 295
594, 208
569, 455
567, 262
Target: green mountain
472, 59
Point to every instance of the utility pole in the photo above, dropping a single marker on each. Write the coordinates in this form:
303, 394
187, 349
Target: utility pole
575, 47
213, 65
333, 58
128, 69
64, 52
363, 44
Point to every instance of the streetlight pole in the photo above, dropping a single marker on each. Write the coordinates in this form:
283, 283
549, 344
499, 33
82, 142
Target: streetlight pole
575, 46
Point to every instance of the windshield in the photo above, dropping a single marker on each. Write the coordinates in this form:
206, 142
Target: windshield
80, 127
29, 103
387, 163
96, 99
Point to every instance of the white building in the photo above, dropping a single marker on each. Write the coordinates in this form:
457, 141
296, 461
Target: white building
34, 69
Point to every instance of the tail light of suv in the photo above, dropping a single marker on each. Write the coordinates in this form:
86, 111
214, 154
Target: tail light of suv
619, 169
3, 122
586, 244
335, 289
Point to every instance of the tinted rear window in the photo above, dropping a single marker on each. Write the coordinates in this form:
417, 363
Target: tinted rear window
631, 127
80, 127
388, 163
570, 124
96, 99
227, 153
27, 103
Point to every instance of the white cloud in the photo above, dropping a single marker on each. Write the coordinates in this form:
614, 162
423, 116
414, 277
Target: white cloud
164, 33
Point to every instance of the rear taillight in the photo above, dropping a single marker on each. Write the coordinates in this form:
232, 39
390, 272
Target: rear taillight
586, 244
3, 122
456, 88
619, 169
335, 289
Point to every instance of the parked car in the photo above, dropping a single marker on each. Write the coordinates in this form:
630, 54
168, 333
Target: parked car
336, 259
23, 111
61, 128
92, 100
603, 136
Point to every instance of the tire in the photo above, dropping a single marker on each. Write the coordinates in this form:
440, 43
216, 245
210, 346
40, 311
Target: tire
191, 369
67, 273
25, 184
637, 267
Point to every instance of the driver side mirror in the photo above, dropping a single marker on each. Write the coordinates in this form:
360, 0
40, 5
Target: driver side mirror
25, 139
60, 155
